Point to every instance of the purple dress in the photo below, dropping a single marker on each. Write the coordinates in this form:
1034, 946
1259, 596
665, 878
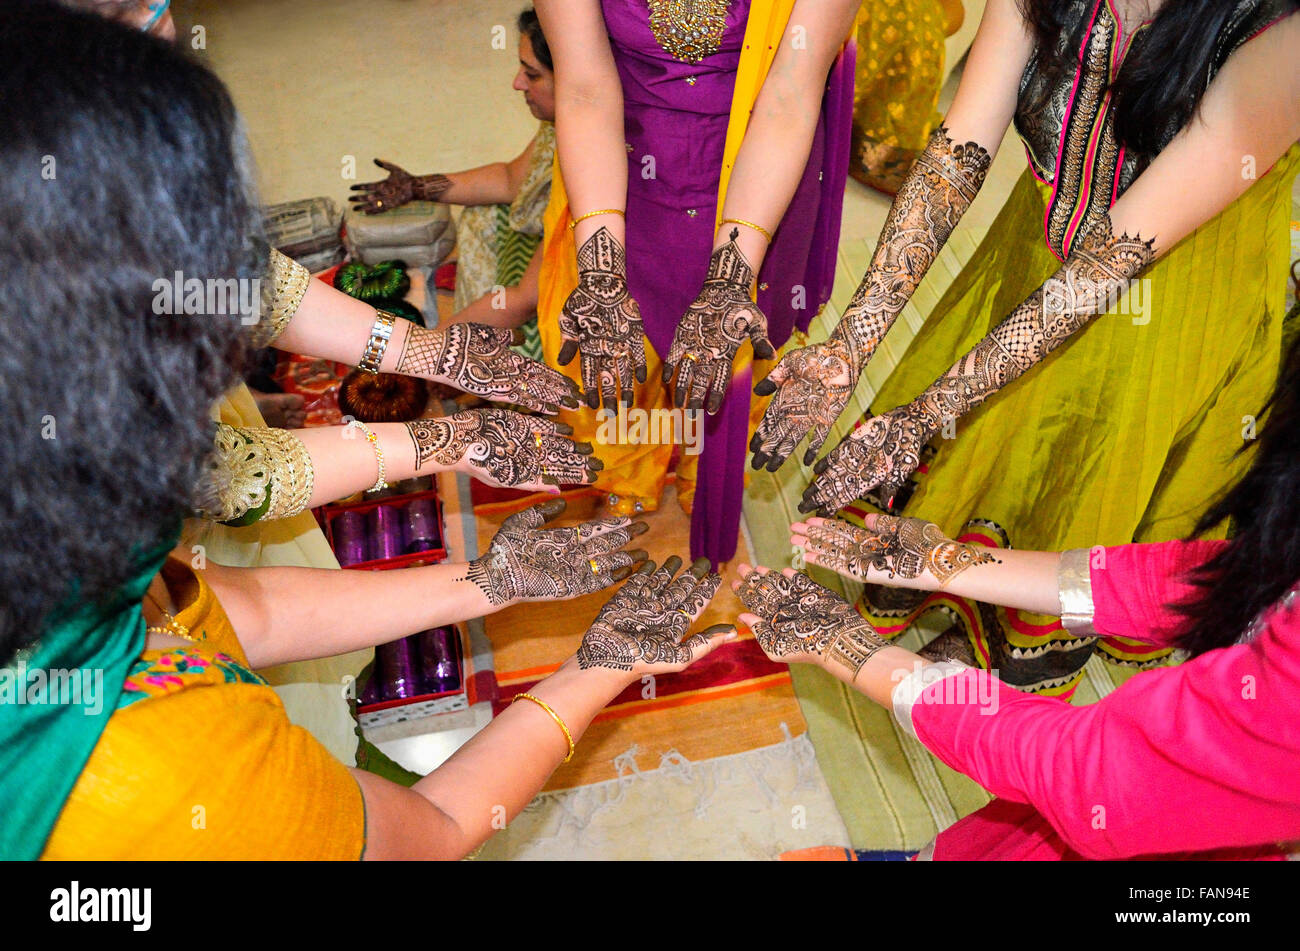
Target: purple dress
675, 122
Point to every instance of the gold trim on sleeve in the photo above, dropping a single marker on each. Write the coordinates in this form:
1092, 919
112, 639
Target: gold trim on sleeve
290, 284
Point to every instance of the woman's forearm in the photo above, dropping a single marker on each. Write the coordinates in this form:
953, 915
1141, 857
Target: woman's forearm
478, 791
344, 462
777, 141
1091, 279
588, 114
1024, 580
283, 615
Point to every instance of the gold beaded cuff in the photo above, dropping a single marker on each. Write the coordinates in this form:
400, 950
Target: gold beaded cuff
290, 279
257, 473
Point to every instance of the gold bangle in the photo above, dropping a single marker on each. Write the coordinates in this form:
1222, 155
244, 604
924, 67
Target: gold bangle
371, 438
749, 224
592, 214
554, 716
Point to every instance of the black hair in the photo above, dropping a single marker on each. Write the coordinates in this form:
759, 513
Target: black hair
531, 27
120, 165
1163, 77
1262, 560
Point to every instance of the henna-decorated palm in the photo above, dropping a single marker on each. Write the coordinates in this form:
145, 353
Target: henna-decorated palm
796, 620
712, 330
399, 188
477, 359
602, 322
504, 448
884, 451
526, 562
812, 387
903, 552
642, 629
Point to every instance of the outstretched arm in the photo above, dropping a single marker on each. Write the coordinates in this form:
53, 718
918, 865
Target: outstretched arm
261, 473
288, 614
1044, 752
496, 183
1251, 109
813, 385
768, 167
600, 320
312, 318
642, 630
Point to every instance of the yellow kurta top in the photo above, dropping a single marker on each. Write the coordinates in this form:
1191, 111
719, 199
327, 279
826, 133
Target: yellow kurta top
200, 761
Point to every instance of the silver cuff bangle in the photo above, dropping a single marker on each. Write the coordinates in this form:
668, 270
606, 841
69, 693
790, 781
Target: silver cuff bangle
1074, 581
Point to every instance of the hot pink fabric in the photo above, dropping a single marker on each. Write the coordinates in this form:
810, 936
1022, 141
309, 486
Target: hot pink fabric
1200, 760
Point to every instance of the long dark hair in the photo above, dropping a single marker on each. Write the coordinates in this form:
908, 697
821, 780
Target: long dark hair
1262, 561
531, 27
119, 166
1160, 85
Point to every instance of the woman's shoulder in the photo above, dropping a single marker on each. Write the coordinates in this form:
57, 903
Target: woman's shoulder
209, 768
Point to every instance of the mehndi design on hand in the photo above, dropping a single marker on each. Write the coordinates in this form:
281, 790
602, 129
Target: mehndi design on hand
712, 330
399, 188
646, 620
894, 546
504, 448
797, 616
1091, 279
526, 562
884, 451
477, 359
601, 321
934, 196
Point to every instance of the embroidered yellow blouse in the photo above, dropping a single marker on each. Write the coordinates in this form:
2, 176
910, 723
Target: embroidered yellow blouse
200, 761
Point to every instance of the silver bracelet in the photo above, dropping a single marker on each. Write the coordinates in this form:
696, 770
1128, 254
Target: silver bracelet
378, 342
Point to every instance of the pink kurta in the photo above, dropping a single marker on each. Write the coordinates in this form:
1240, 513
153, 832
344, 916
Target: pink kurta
1200, 758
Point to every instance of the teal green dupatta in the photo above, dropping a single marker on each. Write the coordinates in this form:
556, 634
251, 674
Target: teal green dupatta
55, 701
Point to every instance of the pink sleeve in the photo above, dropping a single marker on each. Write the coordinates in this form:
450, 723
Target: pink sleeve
1133, 586
1190, 758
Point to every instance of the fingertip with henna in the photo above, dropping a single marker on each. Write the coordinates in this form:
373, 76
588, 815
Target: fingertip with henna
764, 387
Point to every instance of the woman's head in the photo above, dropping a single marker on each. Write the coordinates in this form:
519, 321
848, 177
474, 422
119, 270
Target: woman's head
120, 175
536, 75
150, 16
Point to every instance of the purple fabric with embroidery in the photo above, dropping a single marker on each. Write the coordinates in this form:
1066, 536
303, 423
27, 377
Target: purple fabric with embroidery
676, 132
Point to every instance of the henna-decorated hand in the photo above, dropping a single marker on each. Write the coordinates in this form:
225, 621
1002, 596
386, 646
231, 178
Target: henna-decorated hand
504, 448
601, 321
526, 562
812, 387
712, 330
795, 620
642, 629
477, 359
903, 552
397, 189
882, 452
